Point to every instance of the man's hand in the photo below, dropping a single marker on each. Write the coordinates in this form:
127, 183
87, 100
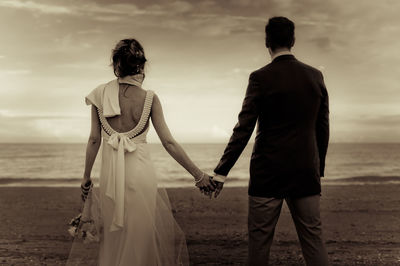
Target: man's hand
218, 188
206, 185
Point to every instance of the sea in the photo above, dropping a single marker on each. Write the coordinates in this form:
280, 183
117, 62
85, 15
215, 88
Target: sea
62, 165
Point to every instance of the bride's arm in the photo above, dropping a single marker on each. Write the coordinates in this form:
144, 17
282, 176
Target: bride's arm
170, 144
93, 144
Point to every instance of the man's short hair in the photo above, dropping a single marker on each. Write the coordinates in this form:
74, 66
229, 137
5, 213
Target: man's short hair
279, 33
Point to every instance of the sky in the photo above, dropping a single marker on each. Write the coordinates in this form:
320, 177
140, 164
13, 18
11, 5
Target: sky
200, 54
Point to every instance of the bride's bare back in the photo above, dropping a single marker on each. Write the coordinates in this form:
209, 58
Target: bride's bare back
131, 101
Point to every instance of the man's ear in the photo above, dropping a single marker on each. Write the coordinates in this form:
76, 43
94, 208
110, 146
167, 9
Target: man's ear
267, 44
294, 40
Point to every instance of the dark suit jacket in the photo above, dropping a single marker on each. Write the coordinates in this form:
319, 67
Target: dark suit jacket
290, 102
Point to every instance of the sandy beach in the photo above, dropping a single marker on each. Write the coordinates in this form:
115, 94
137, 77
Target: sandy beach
361, 225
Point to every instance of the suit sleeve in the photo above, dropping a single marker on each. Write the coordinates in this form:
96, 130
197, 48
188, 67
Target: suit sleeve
243, 129
322, 127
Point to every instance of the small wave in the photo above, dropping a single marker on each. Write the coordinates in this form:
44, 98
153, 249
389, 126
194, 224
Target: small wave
188, 182
9, 182
374, 178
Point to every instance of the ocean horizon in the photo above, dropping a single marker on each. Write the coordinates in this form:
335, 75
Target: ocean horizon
62, 164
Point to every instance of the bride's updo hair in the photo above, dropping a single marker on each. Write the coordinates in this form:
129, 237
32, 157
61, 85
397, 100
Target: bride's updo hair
128, 58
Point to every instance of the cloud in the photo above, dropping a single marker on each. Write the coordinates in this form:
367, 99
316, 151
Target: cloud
34, 6
323, 42
90, 31
223, 25
15, 72
8, 114
178, 15
81, 66
377, 128
379, 121
5, 113
219, 133
200, 54
79, 8
42, 128
181, 6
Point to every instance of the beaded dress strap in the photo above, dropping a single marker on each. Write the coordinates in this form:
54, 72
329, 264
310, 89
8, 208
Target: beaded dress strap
148, 102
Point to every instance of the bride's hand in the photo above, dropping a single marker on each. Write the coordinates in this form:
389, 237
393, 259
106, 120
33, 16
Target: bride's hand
206, 184
85, 187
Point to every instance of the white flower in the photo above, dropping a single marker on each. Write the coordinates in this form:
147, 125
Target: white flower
86, 226
72, 230
90, 238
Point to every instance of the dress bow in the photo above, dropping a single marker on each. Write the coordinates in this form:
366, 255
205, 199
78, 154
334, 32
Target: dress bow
116, 184
118, 141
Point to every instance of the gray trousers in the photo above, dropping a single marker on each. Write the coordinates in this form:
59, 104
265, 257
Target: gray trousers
263, 216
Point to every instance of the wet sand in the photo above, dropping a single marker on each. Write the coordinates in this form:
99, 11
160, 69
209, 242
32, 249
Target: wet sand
361, 225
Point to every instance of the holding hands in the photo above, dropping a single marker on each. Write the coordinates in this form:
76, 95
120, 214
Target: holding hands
207, 185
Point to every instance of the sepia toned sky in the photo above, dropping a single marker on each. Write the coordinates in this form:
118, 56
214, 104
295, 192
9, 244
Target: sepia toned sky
200, 54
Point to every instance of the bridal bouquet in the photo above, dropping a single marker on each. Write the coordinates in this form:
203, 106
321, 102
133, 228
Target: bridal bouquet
85, 230
86, 226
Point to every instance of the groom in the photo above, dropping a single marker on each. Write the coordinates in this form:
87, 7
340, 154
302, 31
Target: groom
289, 101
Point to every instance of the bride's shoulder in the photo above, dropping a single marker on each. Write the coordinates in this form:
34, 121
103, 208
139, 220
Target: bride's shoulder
153, 97
151, 94
100, 88
95, 97
107, 84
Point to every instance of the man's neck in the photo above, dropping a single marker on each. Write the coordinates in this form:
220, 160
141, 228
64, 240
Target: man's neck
279, 52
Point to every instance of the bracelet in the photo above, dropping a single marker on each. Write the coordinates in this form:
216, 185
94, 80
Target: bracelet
85, 189
198, 181
87, 185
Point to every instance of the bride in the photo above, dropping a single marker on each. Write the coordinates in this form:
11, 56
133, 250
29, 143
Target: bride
138, 225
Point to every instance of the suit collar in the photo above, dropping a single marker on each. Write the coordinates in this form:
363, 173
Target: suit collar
282, 52
284, 57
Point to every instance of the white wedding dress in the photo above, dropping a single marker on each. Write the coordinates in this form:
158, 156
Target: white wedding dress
138, 225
